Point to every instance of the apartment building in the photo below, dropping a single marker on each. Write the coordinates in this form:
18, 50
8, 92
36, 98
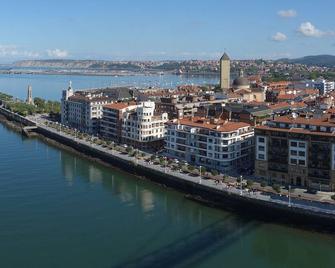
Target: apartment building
138, 125
298, 151
212, 143
83, 109
112, 119
324, 86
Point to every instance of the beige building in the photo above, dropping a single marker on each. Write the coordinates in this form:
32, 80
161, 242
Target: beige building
225, 72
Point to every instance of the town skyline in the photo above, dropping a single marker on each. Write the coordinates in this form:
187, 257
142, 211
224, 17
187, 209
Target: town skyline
165, 31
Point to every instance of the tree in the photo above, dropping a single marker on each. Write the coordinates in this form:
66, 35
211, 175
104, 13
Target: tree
276, 188
202, 170
214, 172
250, 184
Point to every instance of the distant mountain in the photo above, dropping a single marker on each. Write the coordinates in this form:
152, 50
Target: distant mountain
317, 60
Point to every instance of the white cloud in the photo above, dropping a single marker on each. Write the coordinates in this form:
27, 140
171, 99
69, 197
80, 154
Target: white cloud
57, 53
279, 37
290, 13
309, 30
7, 51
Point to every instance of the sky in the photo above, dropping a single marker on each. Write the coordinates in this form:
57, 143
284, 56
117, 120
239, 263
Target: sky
165, 29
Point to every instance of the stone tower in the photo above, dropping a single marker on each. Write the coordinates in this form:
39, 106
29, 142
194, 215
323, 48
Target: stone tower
29, 99
225, 71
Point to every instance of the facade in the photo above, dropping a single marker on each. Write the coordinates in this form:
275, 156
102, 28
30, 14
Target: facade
143, 128
138, 125
225, 72
83, 109
297, 151
215, 144
324, 86
112, 119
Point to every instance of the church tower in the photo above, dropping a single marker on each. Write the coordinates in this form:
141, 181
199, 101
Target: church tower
225, 71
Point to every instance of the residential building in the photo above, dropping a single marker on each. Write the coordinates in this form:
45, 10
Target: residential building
83, 109
212, 143
297, 151
138, 125
112, 119
324, 86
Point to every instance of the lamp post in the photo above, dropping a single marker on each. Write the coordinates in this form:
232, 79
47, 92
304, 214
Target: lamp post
241, 178
165, 164
200, 175
289, 195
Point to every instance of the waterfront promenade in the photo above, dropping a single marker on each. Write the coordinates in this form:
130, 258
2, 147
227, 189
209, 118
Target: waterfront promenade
279, 199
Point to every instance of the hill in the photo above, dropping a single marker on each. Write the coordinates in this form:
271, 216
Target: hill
317, 60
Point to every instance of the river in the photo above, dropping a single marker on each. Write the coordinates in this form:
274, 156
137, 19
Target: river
60, 210
51, 86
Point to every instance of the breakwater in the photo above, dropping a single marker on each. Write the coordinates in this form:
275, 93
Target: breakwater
203, 191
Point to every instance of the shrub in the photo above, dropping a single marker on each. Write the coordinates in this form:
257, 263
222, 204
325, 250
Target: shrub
191, 168
250, 183
195, 172
214, 172
152, 157
333, 196
184, 169
129, 149
203, 170
276, 188
263, 184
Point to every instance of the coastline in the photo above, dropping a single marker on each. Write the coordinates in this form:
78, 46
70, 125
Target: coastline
242, 204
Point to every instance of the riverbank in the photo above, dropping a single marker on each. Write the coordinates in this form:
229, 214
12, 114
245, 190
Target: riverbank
273, 208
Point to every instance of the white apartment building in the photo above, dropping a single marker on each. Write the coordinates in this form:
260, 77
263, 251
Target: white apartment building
215, 144
137, 125
324, 86
144, 128
83, 109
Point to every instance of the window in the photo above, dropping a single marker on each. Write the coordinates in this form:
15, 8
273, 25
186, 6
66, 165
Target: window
261, 156
302, 162
261, 148
294, 144
293, 161
301, 145
301, 153
261, 139
293, 152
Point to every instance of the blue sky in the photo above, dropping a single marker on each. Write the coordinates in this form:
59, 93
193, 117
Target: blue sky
169, 29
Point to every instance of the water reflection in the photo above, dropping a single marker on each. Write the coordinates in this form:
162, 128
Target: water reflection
129, 190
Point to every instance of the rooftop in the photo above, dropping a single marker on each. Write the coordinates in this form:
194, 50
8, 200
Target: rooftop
217, 125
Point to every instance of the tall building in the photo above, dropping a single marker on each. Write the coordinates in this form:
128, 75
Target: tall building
299, 151
212, 143
29, 99
138, 125
83, 109
324, 86
225, 71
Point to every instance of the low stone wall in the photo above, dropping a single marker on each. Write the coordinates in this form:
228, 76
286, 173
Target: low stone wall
16, 117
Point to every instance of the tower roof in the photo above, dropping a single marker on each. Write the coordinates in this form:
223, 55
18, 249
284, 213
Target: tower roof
225, 56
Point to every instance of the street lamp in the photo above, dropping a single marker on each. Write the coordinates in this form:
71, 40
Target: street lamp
200, 174
165, 164
289, 195
241, 178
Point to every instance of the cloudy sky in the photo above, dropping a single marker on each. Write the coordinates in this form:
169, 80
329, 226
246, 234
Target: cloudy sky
157, 29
